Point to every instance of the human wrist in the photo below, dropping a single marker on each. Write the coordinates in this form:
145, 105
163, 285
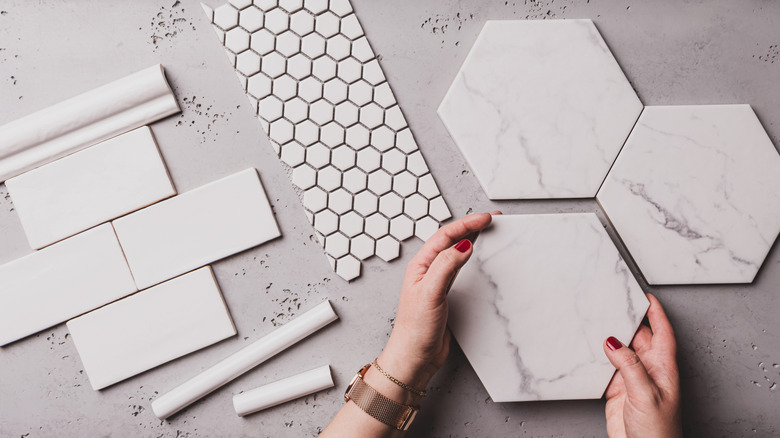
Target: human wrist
403, 366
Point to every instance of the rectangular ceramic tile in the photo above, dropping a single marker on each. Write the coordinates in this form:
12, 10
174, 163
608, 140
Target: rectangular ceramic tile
151, 328
331, 116
196, 228
90, 187
61, 281
89, 118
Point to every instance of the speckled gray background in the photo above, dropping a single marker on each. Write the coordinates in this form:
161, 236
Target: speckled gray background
674, 52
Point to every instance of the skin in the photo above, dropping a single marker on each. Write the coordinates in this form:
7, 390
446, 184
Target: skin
643, 398
637, 406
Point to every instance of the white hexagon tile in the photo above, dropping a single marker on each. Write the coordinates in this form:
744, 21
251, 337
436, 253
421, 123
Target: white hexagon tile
534, 305
322, 98
540, 109
695, 194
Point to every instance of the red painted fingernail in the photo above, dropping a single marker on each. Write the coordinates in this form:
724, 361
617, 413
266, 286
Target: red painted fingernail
463, 245
613, 343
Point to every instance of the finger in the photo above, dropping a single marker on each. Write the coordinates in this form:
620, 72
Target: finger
615, 387
642, 339
444, 268
447, 236
635, 378
663, 334
473, 236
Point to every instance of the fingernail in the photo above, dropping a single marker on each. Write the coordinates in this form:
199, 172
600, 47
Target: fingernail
463, 245
613, 343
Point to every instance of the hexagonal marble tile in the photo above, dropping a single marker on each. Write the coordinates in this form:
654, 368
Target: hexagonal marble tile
695, 194
540, 109
537, 300
331, 116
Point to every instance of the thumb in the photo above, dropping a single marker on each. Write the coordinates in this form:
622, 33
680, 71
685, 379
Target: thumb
445, 267
631, 368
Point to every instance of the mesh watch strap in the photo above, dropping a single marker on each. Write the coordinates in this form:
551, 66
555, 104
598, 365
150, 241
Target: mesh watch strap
377, 405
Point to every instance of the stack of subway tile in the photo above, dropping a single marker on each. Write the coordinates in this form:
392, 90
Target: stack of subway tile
101, 164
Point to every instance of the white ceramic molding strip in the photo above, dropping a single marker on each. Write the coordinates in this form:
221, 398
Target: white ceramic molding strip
92, 186
84, 120
188, 231
62, 281
243, 360
152, 327
331, 116
282, 391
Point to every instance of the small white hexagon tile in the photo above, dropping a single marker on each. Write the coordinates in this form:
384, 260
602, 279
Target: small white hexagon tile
323, 100
538, 298
695, 194
540, 109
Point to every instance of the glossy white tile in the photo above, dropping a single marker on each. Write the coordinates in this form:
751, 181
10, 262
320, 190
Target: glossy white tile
62, 281
196, 228
243, 360
150, 328
695, 194
90, 187
540, 109
84, 120
282, 391
354, 135
534, 305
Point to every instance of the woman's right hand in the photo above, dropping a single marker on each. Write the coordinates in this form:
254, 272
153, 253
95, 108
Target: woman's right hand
643, 398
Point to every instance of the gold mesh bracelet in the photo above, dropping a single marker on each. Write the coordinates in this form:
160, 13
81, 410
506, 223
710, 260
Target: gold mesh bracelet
377, 405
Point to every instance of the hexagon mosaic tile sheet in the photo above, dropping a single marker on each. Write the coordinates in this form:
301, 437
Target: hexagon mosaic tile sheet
536, 301
695, 194
540, 109
331, 116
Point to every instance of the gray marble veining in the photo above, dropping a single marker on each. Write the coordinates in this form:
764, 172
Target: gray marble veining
540, 109
695, 194
536, 301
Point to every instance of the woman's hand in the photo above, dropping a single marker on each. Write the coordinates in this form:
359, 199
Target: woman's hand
420, 340
643, 399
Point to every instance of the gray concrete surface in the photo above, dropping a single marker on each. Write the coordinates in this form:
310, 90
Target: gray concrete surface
674, 52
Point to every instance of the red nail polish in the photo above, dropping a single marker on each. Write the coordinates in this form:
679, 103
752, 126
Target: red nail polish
613, 343
463, 245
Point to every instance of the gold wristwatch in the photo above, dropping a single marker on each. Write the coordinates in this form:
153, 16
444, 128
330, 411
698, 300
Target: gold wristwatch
378, 406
